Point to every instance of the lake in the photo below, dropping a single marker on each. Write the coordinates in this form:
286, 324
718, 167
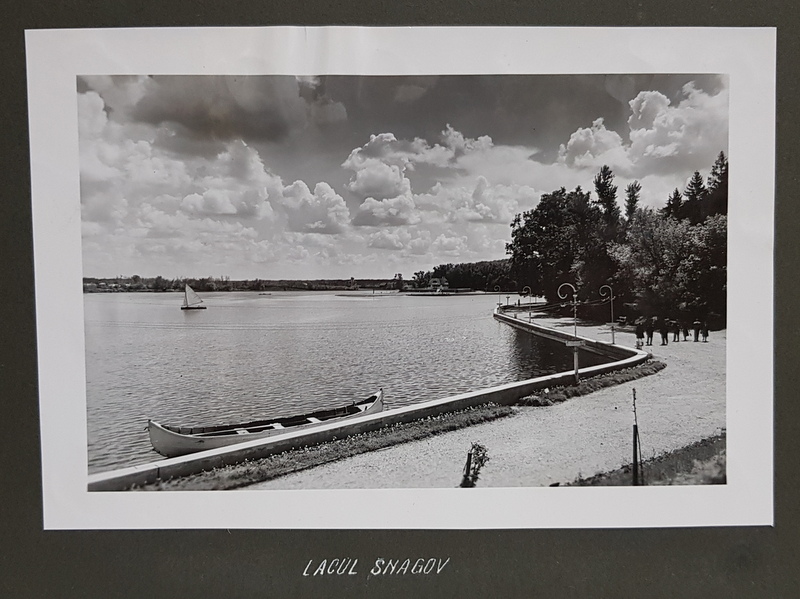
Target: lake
251, 356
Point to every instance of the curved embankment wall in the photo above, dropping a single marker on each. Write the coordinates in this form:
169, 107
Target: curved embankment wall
623, 357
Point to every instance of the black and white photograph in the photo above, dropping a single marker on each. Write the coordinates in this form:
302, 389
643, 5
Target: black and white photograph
410, 280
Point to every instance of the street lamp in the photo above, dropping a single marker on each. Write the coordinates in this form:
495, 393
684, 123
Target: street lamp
524, 293
576, 343
499, 299
611, 301
574, 304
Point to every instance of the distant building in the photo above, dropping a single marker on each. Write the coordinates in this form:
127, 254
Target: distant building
437, 283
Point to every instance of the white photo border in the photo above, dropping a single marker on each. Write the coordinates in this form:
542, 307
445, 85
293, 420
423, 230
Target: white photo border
56, 57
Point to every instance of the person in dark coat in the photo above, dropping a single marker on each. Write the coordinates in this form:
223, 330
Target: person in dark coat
649, 329
704, 332
676, 330
663, 328
685, 329
696, 325
639, 333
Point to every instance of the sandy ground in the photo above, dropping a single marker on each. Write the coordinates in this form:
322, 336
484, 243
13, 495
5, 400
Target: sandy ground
582, 436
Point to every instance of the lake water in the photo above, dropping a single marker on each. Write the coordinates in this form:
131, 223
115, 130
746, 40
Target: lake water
251, 356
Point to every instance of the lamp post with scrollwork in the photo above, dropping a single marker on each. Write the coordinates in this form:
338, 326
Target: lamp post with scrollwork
499, 300
576, 343
527, 294
610, 293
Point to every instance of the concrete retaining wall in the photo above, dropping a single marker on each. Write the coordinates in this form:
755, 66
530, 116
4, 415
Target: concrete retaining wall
250, 450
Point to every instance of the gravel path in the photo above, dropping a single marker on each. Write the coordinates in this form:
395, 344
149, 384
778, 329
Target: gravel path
682, 404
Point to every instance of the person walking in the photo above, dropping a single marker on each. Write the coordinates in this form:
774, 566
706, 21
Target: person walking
663, 328
676, 330
649, 329
696, 325
685, 329
639, 333
704, 332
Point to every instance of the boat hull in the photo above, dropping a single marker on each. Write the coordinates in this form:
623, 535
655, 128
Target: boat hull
172, 441
193, 307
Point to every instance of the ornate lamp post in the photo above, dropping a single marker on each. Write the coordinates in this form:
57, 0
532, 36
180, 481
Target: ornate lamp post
577, 342
524, 293
611, 301
499, 300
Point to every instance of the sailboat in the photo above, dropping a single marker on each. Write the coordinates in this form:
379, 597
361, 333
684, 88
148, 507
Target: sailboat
191, 301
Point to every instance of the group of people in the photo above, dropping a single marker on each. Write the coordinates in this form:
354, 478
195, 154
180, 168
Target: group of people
646, 327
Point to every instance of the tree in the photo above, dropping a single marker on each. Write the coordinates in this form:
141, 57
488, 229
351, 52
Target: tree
717, 196
659, 260
674, 207
695, 194
632, 192
607, 200
398, 281
159, 284
421, 279
558, 242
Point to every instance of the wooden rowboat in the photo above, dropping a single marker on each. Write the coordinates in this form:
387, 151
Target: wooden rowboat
172, 441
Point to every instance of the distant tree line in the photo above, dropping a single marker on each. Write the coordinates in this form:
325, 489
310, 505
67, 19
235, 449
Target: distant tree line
224, 283
667, 262
482, 276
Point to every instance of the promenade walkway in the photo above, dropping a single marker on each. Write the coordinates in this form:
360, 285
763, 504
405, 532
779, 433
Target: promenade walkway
681, 404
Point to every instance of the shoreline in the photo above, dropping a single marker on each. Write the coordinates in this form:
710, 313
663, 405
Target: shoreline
539, 446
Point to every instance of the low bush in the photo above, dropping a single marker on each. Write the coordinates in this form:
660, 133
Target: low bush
548, 397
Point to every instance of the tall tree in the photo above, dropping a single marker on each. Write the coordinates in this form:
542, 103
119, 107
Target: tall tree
674, 207
557, 242
607, 200
717, 196
632, 192
695, 194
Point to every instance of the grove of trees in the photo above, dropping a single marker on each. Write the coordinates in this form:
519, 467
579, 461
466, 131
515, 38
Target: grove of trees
667, 262
484, 276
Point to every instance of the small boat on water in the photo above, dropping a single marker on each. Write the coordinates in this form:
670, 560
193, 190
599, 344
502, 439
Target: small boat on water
171, 441
191, 301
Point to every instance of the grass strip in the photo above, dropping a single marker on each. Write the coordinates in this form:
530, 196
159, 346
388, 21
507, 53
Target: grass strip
548, 397
255, 471
296, 460
701, 463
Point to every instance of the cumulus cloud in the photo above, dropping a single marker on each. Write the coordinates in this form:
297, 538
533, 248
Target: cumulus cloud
661, 137
192, 166
324, 211
450, 245
211, 202
665, 137
460, 145
420, 244
400, 210
388, 240
379, 180
589, 145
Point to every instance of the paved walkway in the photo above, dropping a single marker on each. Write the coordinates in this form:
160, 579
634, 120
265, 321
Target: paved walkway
585, 435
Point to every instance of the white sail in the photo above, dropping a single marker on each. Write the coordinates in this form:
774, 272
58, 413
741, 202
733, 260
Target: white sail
190, 297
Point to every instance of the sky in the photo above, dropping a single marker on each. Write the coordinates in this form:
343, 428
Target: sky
281, 177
